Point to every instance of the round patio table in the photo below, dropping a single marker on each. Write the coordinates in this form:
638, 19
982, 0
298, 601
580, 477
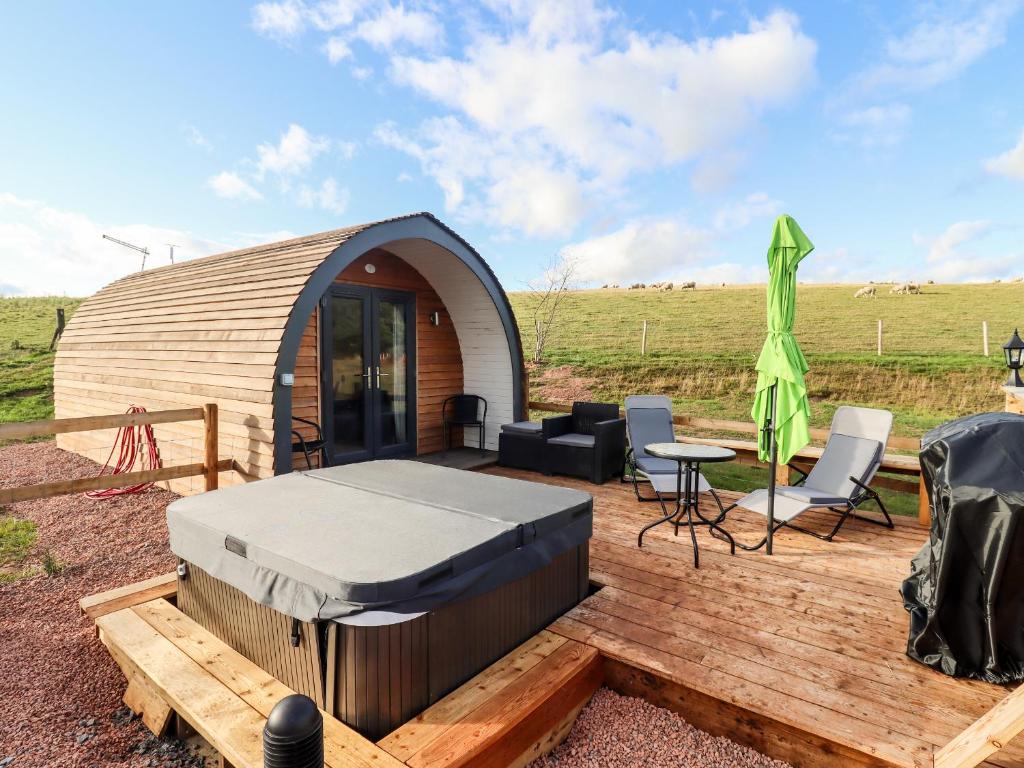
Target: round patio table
688, 457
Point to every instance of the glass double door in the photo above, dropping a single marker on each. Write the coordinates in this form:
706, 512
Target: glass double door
368, 373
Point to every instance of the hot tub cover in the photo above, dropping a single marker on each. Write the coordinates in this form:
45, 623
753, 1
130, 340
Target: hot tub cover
965, 594
385, 536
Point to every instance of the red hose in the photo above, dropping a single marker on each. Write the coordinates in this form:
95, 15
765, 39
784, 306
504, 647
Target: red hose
134, 444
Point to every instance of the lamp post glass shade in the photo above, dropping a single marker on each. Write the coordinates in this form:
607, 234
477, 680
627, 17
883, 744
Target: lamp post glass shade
1013, 351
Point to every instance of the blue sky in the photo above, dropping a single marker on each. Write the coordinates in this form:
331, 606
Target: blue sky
643, 141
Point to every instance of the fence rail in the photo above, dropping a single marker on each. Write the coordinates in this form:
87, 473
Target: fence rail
208, 468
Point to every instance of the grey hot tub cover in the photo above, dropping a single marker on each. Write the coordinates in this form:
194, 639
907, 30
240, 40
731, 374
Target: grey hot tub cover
384, 536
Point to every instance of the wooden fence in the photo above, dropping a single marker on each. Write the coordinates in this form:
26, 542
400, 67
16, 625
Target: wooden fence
208, 467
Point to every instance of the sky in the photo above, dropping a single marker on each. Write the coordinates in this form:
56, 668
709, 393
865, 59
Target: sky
642, 141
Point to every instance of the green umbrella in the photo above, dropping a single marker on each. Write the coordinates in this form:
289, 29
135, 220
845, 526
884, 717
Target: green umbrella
780, 408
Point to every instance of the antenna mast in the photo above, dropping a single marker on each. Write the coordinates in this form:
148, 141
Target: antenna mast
172, 246
139, 248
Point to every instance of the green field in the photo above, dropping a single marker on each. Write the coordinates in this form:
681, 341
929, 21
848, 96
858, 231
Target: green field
701, 348
702, 345
26, 364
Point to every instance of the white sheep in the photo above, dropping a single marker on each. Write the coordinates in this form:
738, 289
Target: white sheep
867, 290
691, 285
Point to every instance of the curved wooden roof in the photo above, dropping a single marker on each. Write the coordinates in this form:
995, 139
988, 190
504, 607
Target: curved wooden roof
210, 329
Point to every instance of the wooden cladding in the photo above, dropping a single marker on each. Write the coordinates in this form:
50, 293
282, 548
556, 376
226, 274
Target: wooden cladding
259, 633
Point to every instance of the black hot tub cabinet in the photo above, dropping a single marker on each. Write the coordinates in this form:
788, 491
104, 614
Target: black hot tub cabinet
378, 588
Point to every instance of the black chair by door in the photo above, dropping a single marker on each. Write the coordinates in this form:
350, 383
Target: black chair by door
464, 411
308, 447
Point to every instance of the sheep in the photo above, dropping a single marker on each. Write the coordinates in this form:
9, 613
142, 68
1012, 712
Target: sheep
666, 287
866, 291
905, 288
1017, 280
691, 285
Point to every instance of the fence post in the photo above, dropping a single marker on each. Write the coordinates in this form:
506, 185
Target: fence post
879, 338
210, 459
643, 340
984, 336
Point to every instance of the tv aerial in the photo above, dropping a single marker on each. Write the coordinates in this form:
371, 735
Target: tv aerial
172, 246
139, 248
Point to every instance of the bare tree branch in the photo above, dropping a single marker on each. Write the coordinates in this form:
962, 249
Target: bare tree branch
549, 294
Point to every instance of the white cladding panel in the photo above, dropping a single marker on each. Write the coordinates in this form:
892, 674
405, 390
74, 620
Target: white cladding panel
486, 357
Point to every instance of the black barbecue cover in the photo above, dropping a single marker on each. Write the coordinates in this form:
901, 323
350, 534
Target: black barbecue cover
965, 593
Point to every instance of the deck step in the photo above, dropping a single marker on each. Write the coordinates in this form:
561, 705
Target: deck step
514, 711
225, 697
163, 586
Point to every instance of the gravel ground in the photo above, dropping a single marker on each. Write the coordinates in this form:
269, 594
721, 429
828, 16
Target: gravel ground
626, 732
60, 692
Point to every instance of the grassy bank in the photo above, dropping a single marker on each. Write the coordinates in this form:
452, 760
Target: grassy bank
26, 364
702, 346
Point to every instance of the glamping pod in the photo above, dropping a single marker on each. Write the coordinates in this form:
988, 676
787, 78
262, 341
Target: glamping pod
363, 331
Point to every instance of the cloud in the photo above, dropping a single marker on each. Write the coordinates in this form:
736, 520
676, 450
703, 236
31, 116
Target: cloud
1010, 163
739, 215
644, 250
394, 24
599, 114
48, 251
941, 45
230, 185
291, 158
288, 20
294, 153
337, 49
327, 197
279, 21
878, 126
944, 246
196, 138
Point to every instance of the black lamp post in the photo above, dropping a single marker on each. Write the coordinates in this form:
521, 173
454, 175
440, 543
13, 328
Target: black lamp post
1013, 350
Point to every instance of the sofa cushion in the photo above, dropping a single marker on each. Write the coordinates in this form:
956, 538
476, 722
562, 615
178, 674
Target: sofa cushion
522, 428
573, 439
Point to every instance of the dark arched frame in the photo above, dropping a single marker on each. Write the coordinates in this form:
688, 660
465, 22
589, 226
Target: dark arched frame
422, 227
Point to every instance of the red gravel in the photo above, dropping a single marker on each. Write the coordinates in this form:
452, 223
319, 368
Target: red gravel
60, 692
616, 731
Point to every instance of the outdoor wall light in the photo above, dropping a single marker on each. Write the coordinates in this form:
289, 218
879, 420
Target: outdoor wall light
370, 269
1013, 349
435, 318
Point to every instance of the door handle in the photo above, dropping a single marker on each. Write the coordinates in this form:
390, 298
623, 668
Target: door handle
379, 374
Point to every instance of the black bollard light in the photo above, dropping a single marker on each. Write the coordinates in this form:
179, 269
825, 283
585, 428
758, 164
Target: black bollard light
294, 734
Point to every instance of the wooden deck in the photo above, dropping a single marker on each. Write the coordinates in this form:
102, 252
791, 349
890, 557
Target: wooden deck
799, 655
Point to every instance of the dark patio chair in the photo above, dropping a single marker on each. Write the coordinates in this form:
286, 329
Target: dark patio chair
590, 442
463, 411
308, 447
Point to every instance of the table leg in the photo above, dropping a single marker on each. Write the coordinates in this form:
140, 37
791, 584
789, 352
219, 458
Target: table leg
691, 503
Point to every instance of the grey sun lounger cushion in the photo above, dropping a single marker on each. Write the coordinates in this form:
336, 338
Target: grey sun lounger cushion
649, 421
573, 439
388, 535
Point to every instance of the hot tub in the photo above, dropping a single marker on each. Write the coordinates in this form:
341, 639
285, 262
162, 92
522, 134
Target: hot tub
377, 588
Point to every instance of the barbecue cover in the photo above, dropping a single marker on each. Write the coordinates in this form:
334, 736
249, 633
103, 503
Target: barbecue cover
965, 594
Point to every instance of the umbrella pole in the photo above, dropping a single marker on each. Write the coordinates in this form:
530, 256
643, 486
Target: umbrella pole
774, 451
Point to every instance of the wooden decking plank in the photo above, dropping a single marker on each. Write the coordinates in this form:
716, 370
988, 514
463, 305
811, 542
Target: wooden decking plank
229, 724
410, 738
862, 658
819, 628
465, 741
839, 691
878, 741
163, 586
343, 747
